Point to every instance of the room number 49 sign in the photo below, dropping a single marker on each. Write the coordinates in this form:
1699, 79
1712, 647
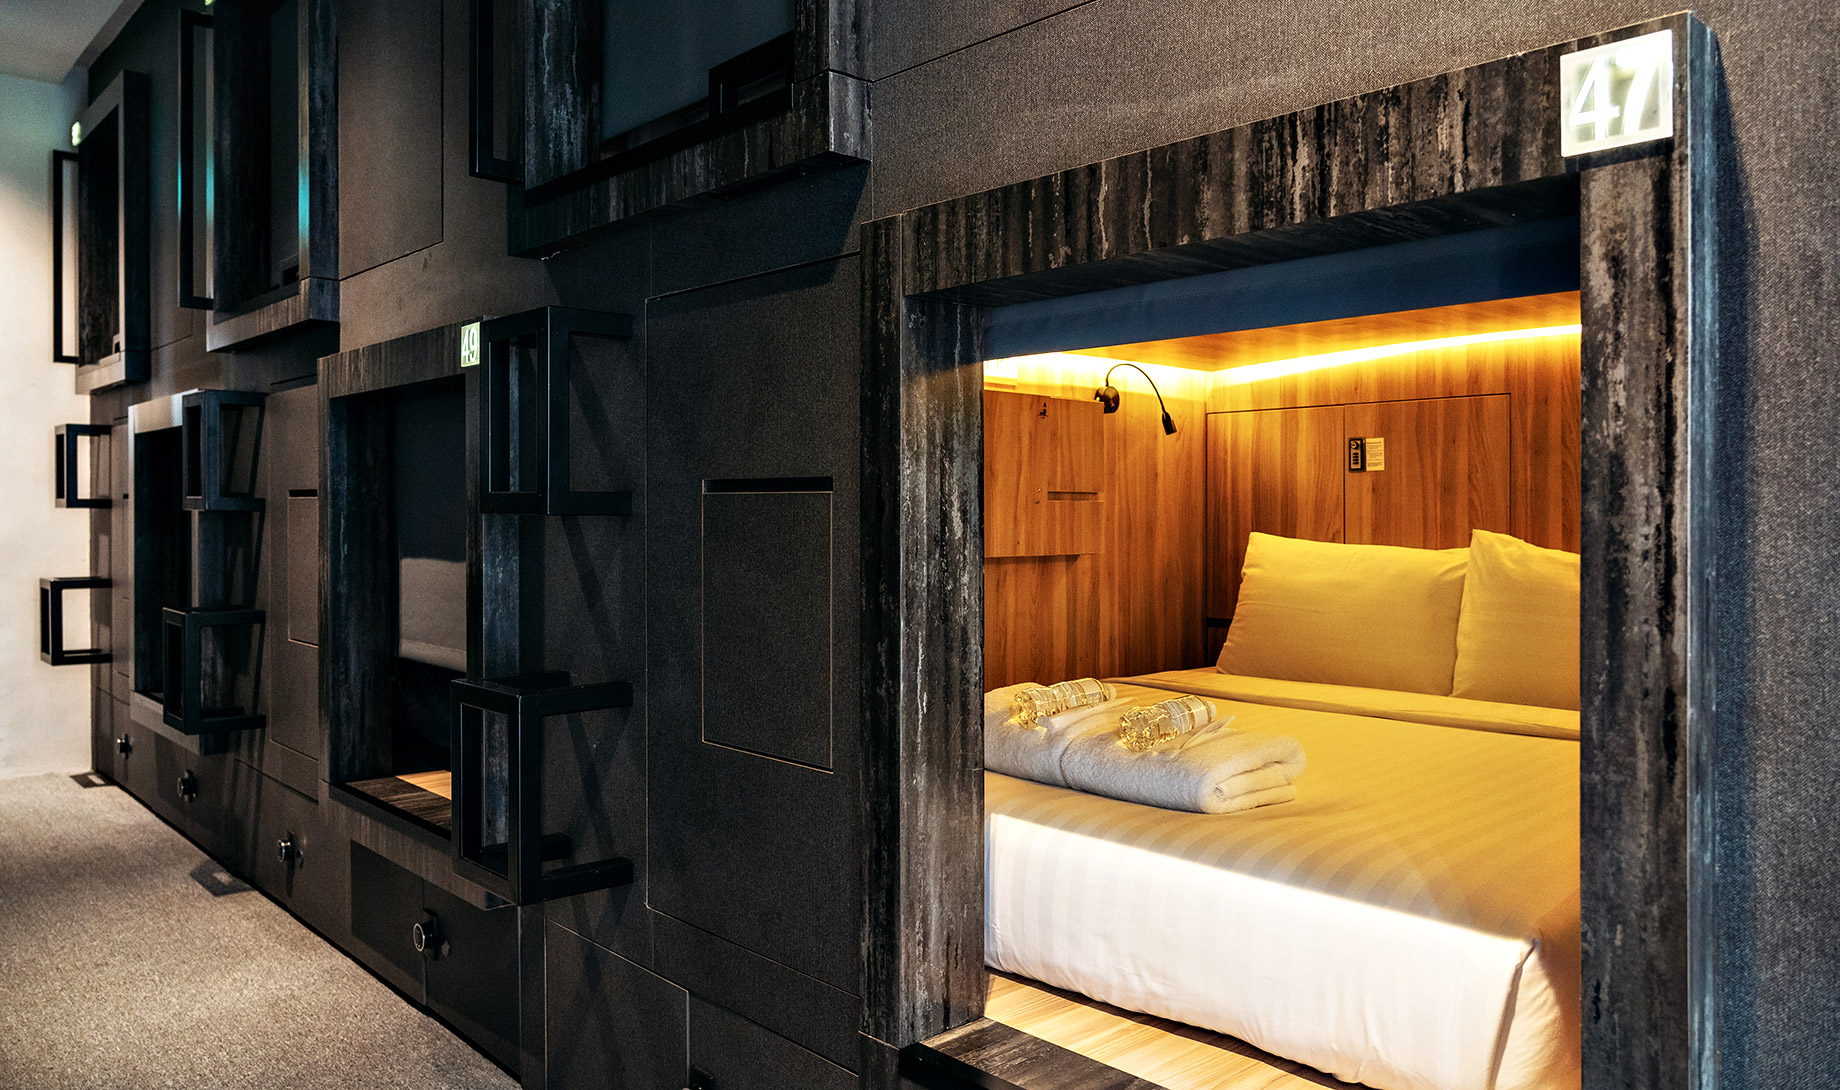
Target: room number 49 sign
1617, 94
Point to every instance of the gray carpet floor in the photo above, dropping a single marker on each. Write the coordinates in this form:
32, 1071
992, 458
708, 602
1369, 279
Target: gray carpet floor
117, 969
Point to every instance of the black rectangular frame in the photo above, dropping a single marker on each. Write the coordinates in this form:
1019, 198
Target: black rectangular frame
525, 702
64, 458
546, 330
183, 691
60, 159
204, 457
189, 23
51, 647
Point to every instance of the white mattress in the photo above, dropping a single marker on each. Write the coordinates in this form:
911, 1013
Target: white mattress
1411, 921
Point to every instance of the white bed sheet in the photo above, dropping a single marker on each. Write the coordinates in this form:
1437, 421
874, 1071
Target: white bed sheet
1368, 960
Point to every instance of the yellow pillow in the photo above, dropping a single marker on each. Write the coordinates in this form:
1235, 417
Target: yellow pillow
1377, 616
1517, 639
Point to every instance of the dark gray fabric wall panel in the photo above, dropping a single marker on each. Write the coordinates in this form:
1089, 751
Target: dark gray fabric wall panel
738, 1055
766, 606
613, 1023
752, 380
390, 69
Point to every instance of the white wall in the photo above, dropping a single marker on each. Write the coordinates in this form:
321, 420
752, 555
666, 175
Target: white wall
44, 711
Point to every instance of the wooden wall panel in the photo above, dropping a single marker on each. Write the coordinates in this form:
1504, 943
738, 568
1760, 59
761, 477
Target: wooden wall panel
1044, 475
1525, 390
1446, 472
1278, 471
1137, 605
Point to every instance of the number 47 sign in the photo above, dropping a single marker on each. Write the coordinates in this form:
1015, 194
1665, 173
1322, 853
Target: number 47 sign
1617, 94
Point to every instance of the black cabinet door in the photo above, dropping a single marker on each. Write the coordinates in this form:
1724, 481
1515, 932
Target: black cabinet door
753, 564
386, 904
290, 576
473, 979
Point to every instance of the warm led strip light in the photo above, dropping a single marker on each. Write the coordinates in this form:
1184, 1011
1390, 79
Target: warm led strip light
1259, 372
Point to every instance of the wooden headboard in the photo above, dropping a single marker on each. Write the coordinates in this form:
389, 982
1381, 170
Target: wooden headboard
1474, 437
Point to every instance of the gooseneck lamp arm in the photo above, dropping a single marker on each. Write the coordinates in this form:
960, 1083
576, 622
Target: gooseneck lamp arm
1107, 395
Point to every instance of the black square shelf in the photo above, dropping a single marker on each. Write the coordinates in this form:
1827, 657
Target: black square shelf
51, 621
498, 839
222, 433
68, 487
524, 413
191, 681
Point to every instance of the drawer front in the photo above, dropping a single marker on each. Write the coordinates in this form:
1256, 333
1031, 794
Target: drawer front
473, 982
386, 904
735, 1054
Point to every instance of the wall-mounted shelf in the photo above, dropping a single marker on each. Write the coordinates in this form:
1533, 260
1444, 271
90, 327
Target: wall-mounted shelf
498, 788
51, 621
222, 435
525, 449
274, 137
67, 483
199, 691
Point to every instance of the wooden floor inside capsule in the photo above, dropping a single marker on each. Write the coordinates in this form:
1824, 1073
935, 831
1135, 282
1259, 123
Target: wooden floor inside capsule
1170, 1054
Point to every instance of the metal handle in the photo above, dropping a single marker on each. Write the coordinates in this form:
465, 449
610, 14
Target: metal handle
188, 786
286, 850
124, 745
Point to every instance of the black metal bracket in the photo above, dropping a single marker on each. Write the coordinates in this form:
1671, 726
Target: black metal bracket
63, 166
68, 488
513, 868
51, 621
183, 694
484, 55
190, 23
207, 462
514, 420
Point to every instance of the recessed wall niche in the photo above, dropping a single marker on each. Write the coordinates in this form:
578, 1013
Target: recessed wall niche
273, 128
644, 106
398, 537
112, 226
198, 634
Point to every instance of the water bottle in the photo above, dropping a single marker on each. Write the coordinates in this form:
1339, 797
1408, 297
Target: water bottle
1142, 728
1039, 701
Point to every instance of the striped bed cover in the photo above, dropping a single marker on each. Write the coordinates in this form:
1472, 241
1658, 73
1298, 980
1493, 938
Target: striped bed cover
1411, 920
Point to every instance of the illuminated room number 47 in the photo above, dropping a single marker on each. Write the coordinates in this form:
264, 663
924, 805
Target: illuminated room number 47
1594, 104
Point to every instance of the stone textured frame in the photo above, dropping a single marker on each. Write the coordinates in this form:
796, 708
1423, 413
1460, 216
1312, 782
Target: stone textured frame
1466, 149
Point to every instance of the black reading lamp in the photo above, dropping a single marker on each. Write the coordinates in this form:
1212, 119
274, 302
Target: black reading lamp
1107, 395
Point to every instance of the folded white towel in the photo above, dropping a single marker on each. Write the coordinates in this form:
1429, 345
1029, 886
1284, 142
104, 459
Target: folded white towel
1034, 753
1219, 773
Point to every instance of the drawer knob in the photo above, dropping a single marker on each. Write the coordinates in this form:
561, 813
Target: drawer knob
124, 745
286, 850
428, 938
188, 786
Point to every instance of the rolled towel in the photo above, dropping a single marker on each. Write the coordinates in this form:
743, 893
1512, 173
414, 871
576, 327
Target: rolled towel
1222, 772
1034, 753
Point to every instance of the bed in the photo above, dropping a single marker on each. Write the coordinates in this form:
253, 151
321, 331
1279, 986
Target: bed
1410, 921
